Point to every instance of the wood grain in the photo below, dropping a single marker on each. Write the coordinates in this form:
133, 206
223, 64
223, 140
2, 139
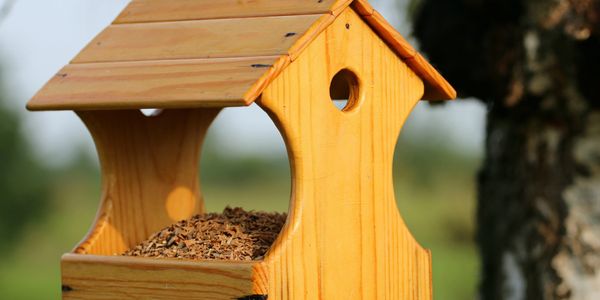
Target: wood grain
139, 11
345, 238
158, 84
197, 39
149, 173
436, 87
315, 29
115, 277
166, 64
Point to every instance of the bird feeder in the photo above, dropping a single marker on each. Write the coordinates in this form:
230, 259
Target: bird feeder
344, 237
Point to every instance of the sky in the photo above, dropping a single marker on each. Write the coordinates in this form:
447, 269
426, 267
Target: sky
38, 37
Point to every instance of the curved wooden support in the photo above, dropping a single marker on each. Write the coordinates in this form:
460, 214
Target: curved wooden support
149, 173
345, 238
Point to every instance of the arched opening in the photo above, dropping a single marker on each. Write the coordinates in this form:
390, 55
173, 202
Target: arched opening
435, 165
244, 162
245, 184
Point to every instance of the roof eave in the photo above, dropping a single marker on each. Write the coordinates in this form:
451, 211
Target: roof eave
436, 86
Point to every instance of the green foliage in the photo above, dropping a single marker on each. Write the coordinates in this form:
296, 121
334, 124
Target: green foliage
73, 199
435, 191
217, 168
412, 8
23, 181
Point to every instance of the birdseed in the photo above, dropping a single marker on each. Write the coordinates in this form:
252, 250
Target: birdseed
235, 234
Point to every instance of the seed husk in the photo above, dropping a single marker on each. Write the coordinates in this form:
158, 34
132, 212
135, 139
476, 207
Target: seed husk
235, 234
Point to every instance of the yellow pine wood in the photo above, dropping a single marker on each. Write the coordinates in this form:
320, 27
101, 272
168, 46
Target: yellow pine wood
345, 238
157, 84
362, 7
271, 72
436, 87
315, 29
115, 277
139, 11
197, 39
142, 79
149, 174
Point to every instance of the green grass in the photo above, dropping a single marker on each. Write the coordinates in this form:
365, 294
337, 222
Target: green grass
441, 220
32, 271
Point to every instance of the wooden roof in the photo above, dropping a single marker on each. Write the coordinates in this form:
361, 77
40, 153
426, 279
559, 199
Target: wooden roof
190, 53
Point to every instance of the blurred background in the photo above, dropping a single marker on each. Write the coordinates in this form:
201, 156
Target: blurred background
49, 177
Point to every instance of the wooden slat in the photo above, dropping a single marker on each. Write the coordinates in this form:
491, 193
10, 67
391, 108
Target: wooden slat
115, 277
339, 6
160, 84
315, 29
139, 11
436, 86
197, 39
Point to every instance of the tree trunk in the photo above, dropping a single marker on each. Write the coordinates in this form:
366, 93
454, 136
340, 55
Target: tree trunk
539, 205
536, 64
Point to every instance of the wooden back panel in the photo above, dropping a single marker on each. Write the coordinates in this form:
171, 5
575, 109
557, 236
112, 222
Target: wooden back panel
344, 238
149, 173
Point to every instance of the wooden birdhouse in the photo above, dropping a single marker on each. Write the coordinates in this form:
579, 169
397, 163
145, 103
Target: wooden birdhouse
344, 237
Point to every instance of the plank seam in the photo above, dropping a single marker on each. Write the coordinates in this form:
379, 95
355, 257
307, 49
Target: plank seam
197, 59
215, 19
325, 11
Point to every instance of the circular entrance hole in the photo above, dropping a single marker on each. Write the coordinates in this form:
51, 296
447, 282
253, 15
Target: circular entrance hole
344, 90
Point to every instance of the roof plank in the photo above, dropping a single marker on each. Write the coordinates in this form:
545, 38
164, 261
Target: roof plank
140, 11
197, 39
157, 84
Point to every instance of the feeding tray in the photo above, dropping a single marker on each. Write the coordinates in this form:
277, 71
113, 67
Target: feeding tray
343, 237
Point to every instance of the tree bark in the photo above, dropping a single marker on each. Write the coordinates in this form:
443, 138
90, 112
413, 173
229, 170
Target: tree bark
536, 65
